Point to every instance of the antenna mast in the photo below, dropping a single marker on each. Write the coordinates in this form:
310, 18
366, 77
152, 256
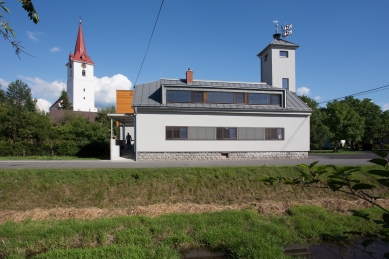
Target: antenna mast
276, 22
286, 31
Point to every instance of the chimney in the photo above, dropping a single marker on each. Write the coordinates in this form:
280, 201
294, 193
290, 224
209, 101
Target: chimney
189, 76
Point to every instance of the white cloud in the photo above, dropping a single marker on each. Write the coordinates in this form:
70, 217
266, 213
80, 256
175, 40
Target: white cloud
3, 84
55, 49
385, 107
46, 90
33, 35
317, 98
303, 91
43, 105
105, 89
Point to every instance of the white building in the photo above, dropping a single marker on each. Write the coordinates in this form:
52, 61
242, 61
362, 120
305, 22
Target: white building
80, 84
178, 119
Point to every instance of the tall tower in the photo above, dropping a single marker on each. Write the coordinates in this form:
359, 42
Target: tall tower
278, 63
80, 87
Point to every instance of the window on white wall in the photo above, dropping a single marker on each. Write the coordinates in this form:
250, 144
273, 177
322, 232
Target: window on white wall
176, 132
266, 57
283, 54
285, 83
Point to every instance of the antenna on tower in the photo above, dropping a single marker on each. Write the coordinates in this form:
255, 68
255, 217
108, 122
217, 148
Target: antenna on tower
286, 31
276, 22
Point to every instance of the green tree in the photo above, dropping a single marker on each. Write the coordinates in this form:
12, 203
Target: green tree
19, 95
105, 122
343, 122
2, 96
318, 129
372, 115
64, 102
384, 129
6, 30
79, 129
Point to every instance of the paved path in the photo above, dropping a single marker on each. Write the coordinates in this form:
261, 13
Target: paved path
357, 159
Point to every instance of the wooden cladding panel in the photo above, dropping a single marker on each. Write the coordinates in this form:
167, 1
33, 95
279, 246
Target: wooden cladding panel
124, 101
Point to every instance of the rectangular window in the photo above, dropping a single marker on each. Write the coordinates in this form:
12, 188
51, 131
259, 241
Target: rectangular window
183, 96
283, 54
274, 134
285, 83
178, 96
275, 99
220, 97
197, 97
266, 57
259, 98
239, 97
226, 133
176, 132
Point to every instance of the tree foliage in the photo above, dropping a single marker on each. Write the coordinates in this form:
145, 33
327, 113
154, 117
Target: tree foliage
64, 102
6, 30
343, 122
103, 119
318, 129
18, 94
371, 113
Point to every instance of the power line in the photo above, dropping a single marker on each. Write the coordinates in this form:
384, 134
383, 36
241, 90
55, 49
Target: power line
155, 25
361, 93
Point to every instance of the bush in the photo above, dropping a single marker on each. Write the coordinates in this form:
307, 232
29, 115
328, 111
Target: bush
57, 148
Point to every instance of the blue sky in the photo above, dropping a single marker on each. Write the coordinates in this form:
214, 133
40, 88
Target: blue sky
343, 44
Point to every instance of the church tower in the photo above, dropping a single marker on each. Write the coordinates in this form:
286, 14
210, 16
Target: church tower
80, 86
278, 63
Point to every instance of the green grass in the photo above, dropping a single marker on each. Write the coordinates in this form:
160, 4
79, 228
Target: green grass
240, 234
24, 189
10, 158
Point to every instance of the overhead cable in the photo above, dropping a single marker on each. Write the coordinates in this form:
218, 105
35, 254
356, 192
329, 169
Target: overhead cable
155, 25
361, 93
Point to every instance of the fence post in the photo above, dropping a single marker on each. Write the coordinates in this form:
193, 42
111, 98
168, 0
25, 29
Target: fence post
24, 152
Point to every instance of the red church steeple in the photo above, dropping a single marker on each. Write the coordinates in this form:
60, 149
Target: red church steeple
80, 49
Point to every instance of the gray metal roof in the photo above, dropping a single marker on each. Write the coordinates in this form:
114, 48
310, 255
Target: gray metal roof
280, 43
150, 95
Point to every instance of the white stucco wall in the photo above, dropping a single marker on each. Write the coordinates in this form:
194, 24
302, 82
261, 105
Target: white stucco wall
283, 67
151, 130
76, 84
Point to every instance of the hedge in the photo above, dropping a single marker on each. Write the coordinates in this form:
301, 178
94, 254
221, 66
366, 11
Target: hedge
54, 148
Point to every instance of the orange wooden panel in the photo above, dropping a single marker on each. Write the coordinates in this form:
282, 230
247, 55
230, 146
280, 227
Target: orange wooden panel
124, 101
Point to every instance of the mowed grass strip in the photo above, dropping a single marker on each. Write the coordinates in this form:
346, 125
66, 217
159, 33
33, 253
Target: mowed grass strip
240, 234
26, 189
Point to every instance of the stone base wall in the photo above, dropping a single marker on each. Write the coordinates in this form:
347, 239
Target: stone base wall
159, 156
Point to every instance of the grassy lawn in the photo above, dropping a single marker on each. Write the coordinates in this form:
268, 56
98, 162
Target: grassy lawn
240, 234
25, 189
246, 232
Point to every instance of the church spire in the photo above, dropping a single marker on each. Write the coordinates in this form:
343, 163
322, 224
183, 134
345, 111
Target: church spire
80, 49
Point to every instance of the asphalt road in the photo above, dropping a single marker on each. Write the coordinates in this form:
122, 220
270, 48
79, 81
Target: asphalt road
353, 159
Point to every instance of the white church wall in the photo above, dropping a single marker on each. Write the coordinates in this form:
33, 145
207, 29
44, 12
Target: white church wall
81, 88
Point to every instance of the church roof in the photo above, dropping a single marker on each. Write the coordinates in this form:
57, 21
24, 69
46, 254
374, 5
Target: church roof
80, 49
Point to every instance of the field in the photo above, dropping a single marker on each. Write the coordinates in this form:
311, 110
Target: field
155, 213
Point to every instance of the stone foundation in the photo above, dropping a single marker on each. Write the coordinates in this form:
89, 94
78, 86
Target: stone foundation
169, 156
